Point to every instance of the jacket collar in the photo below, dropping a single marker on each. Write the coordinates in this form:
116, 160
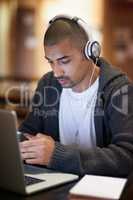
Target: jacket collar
108, 73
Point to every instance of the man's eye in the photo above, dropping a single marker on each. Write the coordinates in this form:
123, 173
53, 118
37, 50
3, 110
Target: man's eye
65, 61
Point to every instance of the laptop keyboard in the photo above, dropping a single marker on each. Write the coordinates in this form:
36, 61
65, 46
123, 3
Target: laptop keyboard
30, 180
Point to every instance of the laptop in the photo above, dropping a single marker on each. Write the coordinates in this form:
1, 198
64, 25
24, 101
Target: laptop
14, 175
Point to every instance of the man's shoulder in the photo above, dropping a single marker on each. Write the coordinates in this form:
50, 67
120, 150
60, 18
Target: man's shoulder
111, 76
48, 77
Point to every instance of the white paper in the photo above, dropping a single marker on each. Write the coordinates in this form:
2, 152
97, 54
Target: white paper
99, 186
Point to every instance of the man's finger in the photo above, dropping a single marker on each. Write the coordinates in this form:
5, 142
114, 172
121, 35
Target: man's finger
30, 143
28, 149
32, 161
28, 155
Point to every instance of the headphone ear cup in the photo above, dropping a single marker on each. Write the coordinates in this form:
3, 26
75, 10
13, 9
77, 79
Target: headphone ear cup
92, 50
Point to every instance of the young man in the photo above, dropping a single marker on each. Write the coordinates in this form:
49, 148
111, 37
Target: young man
82, 113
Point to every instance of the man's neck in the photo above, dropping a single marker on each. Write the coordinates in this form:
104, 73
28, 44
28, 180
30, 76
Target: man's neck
88, 81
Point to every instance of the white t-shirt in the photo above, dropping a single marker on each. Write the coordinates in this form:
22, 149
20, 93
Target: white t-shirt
76, 117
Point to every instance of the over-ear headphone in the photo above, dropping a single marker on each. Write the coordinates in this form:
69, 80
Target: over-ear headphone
92, 48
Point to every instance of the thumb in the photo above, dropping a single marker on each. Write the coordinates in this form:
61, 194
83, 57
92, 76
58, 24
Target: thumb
28, 136
39, 135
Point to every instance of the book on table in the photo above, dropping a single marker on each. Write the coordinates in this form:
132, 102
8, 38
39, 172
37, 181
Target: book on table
97, 187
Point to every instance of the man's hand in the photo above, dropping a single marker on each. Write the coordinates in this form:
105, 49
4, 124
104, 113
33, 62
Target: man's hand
37, 149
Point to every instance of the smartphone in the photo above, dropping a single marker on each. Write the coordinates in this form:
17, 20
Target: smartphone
21, 136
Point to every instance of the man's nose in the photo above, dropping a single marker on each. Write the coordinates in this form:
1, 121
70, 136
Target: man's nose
57, 71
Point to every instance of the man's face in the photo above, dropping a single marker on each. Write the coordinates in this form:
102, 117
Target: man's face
68, 63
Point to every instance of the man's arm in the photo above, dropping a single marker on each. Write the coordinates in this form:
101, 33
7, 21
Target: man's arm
45, 99
33, 121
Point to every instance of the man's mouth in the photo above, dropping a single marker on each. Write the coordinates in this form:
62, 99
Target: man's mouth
63, 81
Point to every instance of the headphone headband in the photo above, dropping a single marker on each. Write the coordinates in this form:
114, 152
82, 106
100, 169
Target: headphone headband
60, 17
76, 19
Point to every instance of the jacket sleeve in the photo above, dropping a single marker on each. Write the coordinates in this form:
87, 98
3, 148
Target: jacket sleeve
115, 159
33, 121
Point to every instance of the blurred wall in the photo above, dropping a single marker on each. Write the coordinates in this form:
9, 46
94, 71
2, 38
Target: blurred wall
23, 25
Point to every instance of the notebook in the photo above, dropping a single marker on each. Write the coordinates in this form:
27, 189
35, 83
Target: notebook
14, 175
98, 187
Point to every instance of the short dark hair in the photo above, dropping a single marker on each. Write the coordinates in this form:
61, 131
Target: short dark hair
63, 28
